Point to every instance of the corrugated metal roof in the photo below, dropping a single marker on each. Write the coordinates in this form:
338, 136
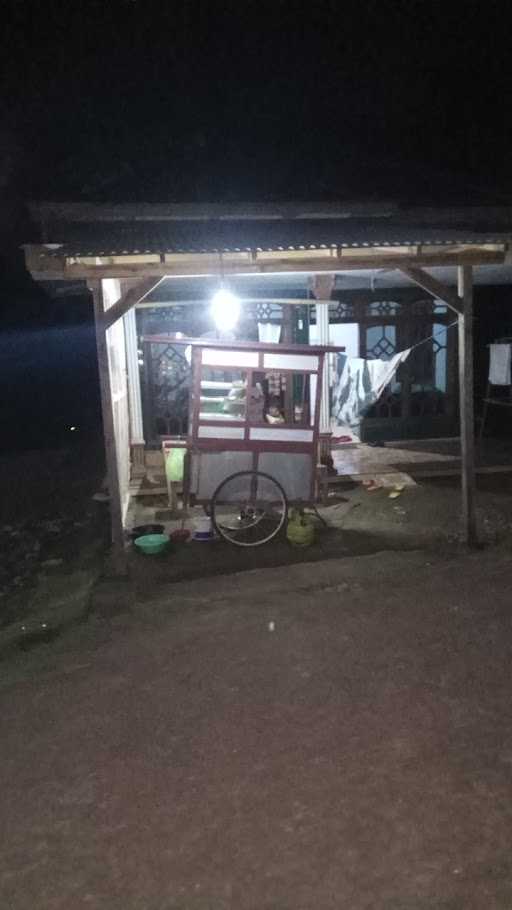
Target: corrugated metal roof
78, 239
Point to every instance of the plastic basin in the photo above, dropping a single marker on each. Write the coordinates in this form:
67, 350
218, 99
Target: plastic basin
144, 530
152, 543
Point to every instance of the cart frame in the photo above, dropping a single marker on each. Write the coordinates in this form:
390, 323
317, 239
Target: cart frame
208, 435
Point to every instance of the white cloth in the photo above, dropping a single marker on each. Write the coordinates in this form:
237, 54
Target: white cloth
269, 332
499, 364
360, 384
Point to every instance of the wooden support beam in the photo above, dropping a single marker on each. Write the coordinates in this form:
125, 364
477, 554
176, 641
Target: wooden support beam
42, 267
127, 300
116, 512
467, 428
280, 301
287, 338
322, 287
433, 286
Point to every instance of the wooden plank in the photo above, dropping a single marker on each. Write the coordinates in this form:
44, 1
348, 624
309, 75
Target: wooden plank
454, 470
322, 287
467, 430
131, 297
280, 301
309, 350
145, 491
405, 295
116, 510
42, 268
423, 471
499, 401
434, 287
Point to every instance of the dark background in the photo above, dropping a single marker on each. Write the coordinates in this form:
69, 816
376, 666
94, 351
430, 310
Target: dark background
170, 101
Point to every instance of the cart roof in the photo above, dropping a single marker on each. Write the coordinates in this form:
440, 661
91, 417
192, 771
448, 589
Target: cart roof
246, 345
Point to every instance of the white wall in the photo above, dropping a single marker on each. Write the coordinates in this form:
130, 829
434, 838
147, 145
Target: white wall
346, 334
119, 387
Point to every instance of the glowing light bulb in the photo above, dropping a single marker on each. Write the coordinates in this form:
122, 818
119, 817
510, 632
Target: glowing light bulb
225, 310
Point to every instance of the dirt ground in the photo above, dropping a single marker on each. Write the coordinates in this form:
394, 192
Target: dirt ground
52, 535
331, 735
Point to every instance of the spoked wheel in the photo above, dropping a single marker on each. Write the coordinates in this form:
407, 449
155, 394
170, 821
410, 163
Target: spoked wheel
249, 508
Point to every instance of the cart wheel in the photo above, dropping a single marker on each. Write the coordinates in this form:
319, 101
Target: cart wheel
249, 508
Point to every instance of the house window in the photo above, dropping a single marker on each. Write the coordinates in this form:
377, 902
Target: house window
383, 308
380, 342
439, 343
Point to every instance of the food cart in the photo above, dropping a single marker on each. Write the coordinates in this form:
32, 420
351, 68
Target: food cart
253, 432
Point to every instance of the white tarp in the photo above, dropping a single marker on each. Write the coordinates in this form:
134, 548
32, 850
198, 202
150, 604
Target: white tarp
359, 384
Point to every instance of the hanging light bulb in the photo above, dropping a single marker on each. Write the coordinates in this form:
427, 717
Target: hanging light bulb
225, 310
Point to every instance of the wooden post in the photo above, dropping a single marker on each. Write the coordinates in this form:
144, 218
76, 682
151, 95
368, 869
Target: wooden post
119, 562
322, 287
287, 335
322, 322
467, 430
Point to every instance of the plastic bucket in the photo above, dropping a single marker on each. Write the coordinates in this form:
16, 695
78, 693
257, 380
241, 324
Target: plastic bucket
203, 528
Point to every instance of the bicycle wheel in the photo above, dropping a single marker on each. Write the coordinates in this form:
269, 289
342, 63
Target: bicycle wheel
249, 508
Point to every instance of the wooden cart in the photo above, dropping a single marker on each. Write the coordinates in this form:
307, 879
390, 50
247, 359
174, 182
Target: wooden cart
253, 432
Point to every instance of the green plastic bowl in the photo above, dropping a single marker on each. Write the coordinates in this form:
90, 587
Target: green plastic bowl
152, 543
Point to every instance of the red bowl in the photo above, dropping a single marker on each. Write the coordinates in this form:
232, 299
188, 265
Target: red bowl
180, 535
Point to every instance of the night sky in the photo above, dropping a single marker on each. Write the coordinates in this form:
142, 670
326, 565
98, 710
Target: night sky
206, 101
249, 100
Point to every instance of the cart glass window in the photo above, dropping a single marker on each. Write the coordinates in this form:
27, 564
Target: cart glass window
258, 396
223, 394
281, 398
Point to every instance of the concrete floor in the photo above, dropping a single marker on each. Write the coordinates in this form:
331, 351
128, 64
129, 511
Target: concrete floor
419, 457
335, 735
